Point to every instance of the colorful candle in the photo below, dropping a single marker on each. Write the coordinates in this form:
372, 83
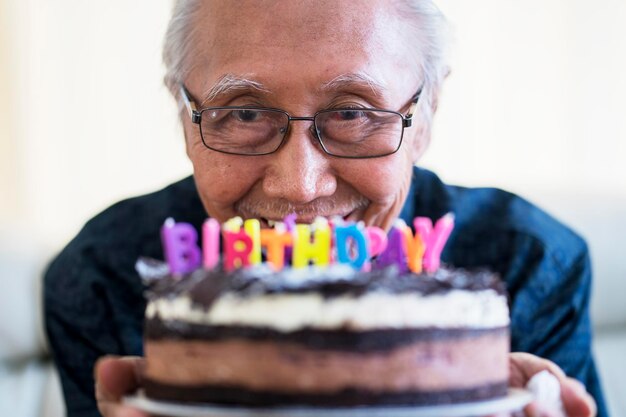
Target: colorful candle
351, 238
352, 244
434, 238
275, 241
290, 222
305, 250
210, 243
180, 244
237, 249
395, 253
377, 240
415, 249
253, 229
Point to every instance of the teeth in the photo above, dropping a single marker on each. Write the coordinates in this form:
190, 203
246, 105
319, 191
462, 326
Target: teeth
337, 219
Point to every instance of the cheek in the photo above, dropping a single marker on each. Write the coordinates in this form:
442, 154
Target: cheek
222, 180
382, 181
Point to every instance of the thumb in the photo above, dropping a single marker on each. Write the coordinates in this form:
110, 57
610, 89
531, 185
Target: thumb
576, 401
117, 376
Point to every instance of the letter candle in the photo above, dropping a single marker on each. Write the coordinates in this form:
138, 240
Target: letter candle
290, 223
317, 251
395, 253
344, 236
211, 243
377, 240
414, 249
276, 240
253, 229
433, 238
180, 241
319, 243
237, 248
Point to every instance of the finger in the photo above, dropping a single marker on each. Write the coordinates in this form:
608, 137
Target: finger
116, 409
523, 366
576, 400
122, 411
116, 376
535, 409
534, 364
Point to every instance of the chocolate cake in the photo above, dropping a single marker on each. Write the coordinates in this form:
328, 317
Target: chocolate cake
328, 336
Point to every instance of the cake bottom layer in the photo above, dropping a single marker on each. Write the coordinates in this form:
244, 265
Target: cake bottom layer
263, 372
344, 398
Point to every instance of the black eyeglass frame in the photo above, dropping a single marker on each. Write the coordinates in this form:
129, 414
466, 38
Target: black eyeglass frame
196, 118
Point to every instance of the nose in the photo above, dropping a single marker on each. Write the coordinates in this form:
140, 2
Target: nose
300, 171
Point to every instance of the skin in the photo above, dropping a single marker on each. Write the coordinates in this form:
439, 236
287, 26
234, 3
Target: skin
304, 47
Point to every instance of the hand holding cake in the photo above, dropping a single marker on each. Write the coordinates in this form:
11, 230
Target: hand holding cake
574, 398
116, 377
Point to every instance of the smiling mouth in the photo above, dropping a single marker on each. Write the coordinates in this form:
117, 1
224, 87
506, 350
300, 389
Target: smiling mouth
270, 212
271, 222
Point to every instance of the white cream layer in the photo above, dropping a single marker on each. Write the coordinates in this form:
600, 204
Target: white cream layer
376, 310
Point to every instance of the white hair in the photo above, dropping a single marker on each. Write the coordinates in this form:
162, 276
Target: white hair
424, 18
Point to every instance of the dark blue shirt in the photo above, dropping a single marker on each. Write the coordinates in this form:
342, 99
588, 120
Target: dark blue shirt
94, 304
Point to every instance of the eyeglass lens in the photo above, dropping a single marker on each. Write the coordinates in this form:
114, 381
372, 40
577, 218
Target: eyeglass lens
351, 133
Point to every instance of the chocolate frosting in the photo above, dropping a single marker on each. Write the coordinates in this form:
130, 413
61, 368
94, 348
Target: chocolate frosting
238, 396
205, 286
341, 339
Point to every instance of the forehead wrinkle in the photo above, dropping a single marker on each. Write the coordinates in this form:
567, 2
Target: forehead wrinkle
354, 80
228, 83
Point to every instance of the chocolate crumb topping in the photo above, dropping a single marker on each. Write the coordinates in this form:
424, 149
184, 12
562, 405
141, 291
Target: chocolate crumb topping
205, 286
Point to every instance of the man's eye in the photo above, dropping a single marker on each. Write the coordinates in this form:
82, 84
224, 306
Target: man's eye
246, 115
347, 115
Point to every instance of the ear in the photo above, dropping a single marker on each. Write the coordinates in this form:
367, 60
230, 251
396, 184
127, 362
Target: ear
446, 74
435, 98
186, 125
423, 120
419, 139
420, 134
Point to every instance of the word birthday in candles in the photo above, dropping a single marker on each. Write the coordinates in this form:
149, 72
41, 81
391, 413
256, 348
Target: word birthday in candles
240, 243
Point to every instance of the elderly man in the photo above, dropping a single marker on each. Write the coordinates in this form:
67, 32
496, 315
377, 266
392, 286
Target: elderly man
318, 108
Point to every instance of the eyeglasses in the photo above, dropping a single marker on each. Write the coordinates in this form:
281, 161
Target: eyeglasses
341, 132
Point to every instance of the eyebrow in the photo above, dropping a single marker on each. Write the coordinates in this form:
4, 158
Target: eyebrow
229, 83
351, 81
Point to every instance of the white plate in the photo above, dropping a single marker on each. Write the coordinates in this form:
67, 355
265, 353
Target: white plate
515, 400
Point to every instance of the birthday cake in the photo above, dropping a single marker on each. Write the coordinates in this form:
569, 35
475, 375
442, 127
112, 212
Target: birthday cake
326, 335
